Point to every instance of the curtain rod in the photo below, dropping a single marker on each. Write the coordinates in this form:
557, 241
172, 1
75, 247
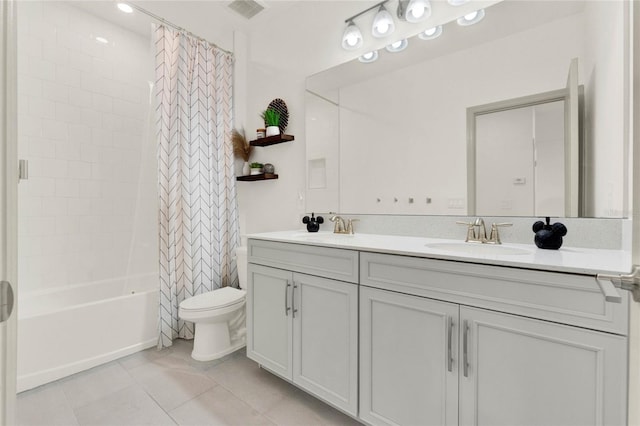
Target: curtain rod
177, 27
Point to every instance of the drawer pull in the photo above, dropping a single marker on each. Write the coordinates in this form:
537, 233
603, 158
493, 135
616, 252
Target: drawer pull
465, 349
449, 339
286, 299
293, 300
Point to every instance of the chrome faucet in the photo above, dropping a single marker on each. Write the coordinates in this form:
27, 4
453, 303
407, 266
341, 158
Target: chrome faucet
340, 227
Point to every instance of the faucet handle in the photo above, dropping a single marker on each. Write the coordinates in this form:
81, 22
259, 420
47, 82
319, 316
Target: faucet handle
494, 238
471, 232
350, 225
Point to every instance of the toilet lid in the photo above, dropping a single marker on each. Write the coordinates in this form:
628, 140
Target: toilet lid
219, 298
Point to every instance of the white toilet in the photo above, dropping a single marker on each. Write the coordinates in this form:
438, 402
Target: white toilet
219, 317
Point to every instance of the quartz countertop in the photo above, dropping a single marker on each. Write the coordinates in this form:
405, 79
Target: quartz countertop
567, 259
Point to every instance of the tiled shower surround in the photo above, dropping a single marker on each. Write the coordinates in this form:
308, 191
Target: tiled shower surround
88, 210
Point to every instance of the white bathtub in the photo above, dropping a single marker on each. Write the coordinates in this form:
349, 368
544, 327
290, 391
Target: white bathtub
77, 327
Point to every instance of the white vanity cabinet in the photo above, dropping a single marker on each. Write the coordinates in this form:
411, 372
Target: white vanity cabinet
505, 369
408, 359
304, 327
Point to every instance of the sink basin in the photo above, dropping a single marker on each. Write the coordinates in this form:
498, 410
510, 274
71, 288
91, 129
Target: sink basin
478, 249
321, 236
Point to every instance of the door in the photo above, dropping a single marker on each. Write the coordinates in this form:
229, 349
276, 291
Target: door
269, 318
8, 209
408, 361
521, 371
325, 351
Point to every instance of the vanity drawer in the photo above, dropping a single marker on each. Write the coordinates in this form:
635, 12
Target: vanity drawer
561, 297
325, 262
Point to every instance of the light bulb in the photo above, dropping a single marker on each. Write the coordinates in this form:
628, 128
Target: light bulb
369, 57
398, 46
431, 33
352, 37
383, 24
471, 18
125, 8
457, 2
102, 40
417, 10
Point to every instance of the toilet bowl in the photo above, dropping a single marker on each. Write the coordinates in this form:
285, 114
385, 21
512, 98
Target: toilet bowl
218, 316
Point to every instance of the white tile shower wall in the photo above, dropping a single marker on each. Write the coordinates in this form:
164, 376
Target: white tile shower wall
88, 210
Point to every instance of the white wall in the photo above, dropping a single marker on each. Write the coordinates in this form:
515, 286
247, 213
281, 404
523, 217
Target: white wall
88, 209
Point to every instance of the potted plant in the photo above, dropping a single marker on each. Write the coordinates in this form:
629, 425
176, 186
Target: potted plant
241, 149
256, 168
271, 119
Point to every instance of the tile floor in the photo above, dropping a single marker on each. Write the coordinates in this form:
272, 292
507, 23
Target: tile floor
168, 387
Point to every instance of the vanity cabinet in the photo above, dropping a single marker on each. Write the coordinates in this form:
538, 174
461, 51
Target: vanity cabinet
304, 327
408, 359
522, 371
427, 360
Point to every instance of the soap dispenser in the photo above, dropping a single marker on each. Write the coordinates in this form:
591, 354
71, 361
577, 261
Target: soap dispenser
313, 223
549, 236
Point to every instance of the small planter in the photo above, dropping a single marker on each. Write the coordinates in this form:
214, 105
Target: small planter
273, 131
256, 170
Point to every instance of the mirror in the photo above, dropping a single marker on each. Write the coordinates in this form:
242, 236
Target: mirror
390, 137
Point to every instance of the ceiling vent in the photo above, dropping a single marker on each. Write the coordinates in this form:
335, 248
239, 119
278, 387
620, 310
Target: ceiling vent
246, 8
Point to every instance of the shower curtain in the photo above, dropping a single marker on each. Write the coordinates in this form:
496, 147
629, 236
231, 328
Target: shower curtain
198, 209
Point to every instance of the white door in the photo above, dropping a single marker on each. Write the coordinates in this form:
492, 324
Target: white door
522, 371
408, 359
8, 211
325, 349
269, 318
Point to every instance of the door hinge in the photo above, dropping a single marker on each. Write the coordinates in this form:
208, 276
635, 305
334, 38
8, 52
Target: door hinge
630, 282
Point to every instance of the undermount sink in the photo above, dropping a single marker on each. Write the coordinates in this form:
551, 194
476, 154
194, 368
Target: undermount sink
321, 236
478, 249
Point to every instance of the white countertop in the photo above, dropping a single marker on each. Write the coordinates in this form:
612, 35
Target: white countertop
566, 259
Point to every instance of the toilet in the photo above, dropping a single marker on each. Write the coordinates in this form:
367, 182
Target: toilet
218, 316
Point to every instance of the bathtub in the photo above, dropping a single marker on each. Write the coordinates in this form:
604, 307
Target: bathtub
74, 328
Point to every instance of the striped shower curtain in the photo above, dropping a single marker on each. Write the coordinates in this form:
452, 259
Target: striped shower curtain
198, 208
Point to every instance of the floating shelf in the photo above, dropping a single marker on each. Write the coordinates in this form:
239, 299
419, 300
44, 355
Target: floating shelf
261, 176
272, 140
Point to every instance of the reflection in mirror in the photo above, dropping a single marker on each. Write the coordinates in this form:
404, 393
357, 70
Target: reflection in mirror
516, 157
390, 137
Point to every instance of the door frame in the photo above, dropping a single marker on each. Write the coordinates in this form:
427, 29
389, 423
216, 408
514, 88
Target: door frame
8, 203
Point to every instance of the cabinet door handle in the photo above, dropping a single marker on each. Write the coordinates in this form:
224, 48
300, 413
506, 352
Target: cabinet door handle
465, 349
449, 350
293, 300
286, 299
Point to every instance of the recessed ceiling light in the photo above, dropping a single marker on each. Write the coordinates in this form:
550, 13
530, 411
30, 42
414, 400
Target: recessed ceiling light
102, 40
398, 46
471, 18
125, 8
431, 33
369, 57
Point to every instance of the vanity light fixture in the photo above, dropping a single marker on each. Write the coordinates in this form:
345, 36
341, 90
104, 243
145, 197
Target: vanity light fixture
471, 18
397, 46
414, 10
352, 37
125, 8
383, 24
369, 57
431, 33
457, 2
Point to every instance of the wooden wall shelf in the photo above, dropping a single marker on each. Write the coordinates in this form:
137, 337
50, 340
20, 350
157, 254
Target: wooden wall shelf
261, 176
272, 140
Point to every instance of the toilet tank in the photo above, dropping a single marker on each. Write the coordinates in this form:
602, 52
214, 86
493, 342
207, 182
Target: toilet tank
241, 261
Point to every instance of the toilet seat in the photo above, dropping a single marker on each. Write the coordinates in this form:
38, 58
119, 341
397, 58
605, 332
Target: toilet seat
212, 300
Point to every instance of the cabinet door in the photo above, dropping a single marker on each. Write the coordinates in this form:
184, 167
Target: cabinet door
408, 374
523, 371
326, 339
269, 324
